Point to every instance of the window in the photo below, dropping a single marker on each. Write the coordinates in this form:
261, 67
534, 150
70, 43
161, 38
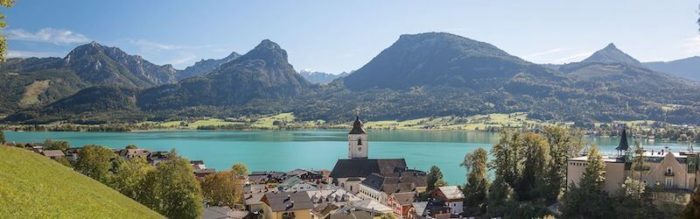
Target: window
359, 141
669, 182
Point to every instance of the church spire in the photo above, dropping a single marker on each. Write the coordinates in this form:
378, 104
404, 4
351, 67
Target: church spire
623, 146
357, 127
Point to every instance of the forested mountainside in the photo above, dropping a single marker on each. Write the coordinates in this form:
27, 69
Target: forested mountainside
420, 75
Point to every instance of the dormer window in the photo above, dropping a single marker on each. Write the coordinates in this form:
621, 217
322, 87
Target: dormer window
359, 141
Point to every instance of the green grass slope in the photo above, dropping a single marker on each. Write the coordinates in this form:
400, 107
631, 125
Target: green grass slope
32, 186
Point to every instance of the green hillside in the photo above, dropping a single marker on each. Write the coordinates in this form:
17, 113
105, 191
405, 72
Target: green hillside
32, 186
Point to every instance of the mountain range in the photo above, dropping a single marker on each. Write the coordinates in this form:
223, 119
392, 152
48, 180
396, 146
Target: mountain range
317, 77
420, 75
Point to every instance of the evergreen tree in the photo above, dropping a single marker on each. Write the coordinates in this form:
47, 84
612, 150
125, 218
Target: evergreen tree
589, 200
434, 179
594, 174
535, 159
499, 198
476, 188
95, 161
172, 190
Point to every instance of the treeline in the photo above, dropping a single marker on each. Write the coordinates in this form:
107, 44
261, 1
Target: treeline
529, 179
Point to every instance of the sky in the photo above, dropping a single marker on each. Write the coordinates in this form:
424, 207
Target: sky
341, 36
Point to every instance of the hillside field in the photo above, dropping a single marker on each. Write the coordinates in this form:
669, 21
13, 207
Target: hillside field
32, 186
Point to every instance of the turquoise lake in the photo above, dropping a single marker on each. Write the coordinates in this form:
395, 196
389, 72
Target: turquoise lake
311, 149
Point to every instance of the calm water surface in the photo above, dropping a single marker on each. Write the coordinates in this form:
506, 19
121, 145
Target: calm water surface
312, 149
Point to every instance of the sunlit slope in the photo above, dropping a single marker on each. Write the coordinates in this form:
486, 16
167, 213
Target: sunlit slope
32, 186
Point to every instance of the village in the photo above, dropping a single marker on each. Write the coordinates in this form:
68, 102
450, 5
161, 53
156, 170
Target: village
364, 187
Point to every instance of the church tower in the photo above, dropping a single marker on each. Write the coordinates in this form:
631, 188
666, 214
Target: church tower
357, 141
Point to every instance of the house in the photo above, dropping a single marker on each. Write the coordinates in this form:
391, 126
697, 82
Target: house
72, 154
135, 152
201, 173
295, 184
283, 205
362, 209
434, 209
380, 187
53, 154
156, 157
328, 200
664, 170
402, 202
306, 175
336, 196
253, 202
262, 177
452, 197
225, 212
201, 170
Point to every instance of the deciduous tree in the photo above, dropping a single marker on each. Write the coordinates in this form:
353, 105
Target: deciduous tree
56, 145
476, 188
95, 161
172, 189
129, 176
3, 24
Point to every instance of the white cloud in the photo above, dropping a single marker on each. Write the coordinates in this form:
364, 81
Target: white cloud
557, 56
48, 35
26, 54
543, 53
147, 44
572, 58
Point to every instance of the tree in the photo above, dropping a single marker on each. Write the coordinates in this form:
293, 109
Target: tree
500, 199
589, 200
2, 137
594, 174
239, 170
221, 189
131, 146
129, 176
3, 24
506, 154
476, 188
536, 156
434, 179
225, 188
563, 145
95, 161
172, 189
692, 210
56, 145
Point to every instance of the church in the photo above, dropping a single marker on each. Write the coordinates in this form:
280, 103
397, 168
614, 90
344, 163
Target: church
351, 172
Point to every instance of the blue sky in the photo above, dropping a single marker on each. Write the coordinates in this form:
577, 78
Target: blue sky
337, 36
